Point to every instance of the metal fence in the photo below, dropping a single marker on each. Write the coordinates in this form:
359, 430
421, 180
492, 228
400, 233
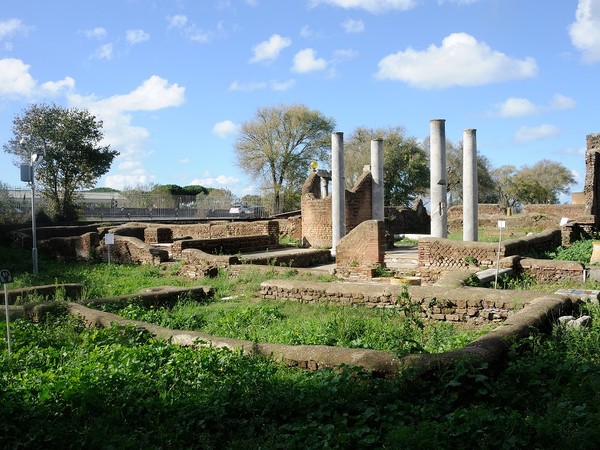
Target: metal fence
107, 206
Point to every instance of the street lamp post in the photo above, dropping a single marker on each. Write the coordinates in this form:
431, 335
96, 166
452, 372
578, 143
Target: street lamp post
28, 175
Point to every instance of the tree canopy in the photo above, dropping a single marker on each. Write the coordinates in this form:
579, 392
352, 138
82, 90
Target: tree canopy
454, 169
541, 183
278, 144
406, 170
68, 139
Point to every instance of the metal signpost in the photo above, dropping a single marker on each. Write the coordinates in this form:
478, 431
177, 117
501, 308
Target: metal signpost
501, 225
109, 240
5, 278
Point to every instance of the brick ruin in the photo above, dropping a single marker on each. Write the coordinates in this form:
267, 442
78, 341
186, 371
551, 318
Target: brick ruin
591, 188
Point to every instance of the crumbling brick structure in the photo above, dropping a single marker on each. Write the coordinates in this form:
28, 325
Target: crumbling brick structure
316, 209
361, 251
591, 188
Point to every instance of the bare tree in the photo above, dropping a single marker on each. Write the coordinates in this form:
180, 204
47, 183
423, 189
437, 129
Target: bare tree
278, 144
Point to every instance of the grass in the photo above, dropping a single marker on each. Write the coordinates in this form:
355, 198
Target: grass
66, 386
322, 324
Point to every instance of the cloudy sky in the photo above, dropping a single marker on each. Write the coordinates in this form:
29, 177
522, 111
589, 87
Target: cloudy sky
173, 80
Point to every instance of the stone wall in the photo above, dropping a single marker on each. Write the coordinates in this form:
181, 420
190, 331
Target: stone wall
70, 248
449, 254
592, 176
227, 245
551, 271
402, 220
483, 209
558, 210
473, 305
162, 233
362, 250
130, 250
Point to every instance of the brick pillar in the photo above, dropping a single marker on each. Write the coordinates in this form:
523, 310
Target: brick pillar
592, 176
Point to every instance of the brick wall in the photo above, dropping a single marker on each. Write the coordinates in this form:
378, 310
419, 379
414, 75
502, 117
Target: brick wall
449, 254
362, 250
474, 305
483, 209
570, 211
227, 245
316, 211
592, 175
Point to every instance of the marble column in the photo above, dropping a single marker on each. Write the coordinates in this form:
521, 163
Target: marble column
338, 190
470, 186
438, 181
377, 192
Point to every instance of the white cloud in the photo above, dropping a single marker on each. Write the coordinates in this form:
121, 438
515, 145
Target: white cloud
353, 26
516, 107
189, 30
458, 2
519, 107
104, 52
15, 79
343, 54
133, 179
282, 85
96, 33
560, 101
306, 61
544, 131
177, 21
585, 31
136, 36
153, 94
270, 49
460, 61
249, 86
219, 181
58, 87
12, 27
252, 86
225, 128
373, 6
119, 131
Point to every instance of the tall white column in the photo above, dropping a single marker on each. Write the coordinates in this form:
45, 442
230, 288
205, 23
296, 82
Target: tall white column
438, 181
338, 190
377, 191
470, 186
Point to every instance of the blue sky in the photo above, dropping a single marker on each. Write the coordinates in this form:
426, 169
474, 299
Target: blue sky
173, 80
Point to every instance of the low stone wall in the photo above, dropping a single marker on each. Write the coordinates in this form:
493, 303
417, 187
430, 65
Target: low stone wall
558, 210
490, 349
130, 250
227, 245
306, 258
483, 209
70, 291
449, 254
551, 271
473, 305
72, 247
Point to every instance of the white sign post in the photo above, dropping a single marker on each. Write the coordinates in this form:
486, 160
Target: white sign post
109, 239
501, 225
5, 278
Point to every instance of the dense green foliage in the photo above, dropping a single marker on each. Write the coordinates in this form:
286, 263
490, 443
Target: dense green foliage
69, 387
66, 386
578, 251
399, 331
69, 140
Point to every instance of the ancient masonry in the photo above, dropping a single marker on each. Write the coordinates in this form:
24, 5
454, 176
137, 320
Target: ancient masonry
591, 188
